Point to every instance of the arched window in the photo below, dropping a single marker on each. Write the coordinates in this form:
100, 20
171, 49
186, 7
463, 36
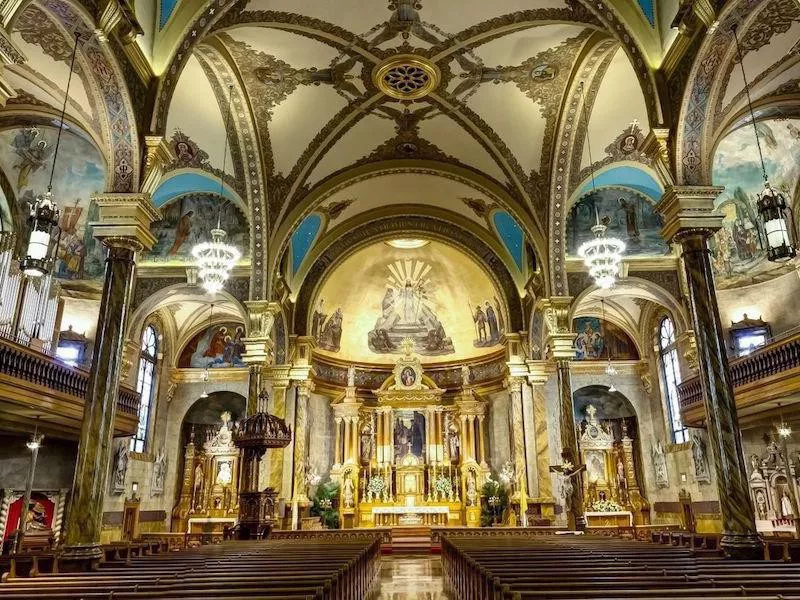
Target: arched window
145, 387
671, 374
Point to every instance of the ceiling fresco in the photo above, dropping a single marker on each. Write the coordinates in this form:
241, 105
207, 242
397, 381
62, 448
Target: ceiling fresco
26, 159
434, 295
739, 258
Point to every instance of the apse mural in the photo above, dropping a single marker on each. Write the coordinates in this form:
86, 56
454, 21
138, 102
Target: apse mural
188, 220
628, 217
407, 312
434, 295
215, 347
598, 339
738, 255
26, 159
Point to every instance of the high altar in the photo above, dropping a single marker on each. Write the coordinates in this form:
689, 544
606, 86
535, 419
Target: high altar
407, 455
611, 474
209, 498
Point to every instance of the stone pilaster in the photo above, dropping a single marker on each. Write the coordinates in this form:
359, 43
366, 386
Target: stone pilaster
304, 389
537, 376
689, 220
124, 228
514, 386
561, 341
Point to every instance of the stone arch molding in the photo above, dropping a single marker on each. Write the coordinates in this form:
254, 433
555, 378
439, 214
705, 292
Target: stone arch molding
108, 88
695, 139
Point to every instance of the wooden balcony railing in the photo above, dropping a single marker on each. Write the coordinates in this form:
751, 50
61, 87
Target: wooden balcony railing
20, 362
766, 373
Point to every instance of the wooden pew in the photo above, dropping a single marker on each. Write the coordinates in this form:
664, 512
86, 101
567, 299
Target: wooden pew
290, 569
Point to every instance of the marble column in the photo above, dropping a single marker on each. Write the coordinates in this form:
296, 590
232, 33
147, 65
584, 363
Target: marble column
689, 220
338, 447
254, 389
123, 228
280, 385
304, 389
569, 445
514, 385
481, 442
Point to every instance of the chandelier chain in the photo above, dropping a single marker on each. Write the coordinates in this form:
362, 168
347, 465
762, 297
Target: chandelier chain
749, 101
588, 142
225, 155
64, 109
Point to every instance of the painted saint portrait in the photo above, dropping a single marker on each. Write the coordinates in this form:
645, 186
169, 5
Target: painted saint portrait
630, 217
409, 433
327, 328
408, 376
407, 312
599, 340
216, 347
489, 325
188, 221
26, 158
738, 255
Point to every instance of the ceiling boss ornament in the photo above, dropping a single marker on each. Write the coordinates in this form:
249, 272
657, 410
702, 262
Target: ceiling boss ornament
406, 77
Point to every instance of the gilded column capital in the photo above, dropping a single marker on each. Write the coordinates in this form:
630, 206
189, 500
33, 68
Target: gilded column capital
304, 388
537, 372
656, 147
125, 217
301, 348
514, 384
688, 211
158, 156
560, 337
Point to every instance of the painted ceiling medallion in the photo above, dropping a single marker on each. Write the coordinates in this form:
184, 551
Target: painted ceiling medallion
406, 77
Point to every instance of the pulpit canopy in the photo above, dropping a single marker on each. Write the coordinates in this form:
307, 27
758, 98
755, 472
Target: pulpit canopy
263, 430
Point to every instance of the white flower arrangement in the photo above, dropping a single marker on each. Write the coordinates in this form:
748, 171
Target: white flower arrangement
375, 485
442, 484
606, 506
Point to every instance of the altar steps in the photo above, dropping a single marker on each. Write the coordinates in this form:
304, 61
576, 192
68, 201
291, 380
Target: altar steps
411, 540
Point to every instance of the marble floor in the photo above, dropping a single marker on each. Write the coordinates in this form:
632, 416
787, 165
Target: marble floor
411, 578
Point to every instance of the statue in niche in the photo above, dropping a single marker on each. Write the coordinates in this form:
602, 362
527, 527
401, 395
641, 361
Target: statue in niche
621, 480
159, 473
472, 492
761, 505
197, 495
755, 464
786, 505
452, 442
351, 376
700, 461
348, 493
659, 464
366, 444
120, 467
464, 376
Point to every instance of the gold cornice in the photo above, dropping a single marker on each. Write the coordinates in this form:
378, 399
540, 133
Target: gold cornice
670, 262
598, 367
182, 375
389, 367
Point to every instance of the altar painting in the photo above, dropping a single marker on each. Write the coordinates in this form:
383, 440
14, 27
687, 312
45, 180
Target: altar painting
26, 157
738, 257
188, 221
380, 296
628, 216
409, 434
601, 340
215, 347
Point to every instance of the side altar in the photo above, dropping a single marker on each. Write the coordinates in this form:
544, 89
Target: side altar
407, 455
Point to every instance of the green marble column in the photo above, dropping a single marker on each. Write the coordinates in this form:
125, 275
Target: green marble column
85, 514
569, 445
740, 539
690, 218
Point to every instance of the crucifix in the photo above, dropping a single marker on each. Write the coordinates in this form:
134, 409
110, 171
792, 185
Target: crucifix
573, 500
634, 124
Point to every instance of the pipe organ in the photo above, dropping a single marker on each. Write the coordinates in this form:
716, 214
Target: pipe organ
28, 305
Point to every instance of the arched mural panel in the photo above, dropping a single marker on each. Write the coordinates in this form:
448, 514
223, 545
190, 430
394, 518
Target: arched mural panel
602, 340
217, 346
738, 255
26, 156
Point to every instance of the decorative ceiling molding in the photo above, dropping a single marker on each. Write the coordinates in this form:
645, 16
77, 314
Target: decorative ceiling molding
594, 56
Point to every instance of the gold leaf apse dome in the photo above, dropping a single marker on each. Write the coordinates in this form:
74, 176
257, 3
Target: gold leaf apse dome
406, 77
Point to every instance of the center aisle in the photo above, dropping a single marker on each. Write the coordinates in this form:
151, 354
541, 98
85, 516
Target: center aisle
411, 578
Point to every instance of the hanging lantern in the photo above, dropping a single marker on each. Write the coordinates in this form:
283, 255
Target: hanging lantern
602, 256
215, 260
42, 220
778, 222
